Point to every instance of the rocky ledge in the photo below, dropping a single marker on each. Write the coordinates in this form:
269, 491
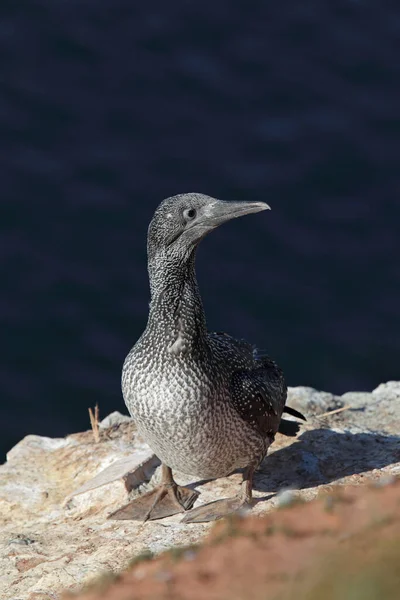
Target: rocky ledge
55, 494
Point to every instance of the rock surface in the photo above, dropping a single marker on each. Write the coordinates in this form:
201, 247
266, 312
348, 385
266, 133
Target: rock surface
345, 545
55, 494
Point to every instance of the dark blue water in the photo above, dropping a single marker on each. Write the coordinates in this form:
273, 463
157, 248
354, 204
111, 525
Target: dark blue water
108, 107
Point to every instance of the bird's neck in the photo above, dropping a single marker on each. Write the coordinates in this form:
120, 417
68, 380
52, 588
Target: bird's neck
176, 310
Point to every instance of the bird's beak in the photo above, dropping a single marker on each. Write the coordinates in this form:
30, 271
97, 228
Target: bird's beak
220, 211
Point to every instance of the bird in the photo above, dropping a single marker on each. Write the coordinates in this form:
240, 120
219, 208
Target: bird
206, 403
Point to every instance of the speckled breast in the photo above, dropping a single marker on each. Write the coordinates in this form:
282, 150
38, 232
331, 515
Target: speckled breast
191, 427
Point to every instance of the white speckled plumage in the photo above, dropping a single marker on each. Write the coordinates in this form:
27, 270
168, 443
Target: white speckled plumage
205, 403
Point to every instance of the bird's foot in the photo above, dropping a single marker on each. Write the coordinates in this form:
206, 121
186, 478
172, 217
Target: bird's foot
163, 501
216, 510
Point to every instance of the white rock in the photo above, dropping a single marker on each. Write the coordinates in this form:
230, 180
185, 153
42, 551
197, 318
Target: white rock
115, 418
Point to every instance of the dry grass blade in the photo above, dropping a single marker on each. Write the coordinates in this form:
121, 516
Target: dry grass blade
94, 422
334, 412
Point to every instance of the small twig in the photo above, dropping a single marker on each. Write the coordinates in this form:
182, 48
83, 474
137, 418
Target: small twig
94, 422
334, 412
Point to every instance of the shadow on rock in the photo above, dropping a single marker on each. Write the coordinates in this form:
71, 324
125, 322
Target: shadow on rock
322, 456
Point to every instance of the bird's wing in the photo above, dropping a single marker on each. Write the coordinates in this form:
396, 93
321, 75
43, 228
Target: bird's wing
259, 397
258, 389
240, 349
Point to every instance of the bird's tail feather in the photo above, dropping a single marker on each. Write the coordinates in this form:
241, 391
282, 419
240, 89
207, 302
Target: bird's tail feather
294, 413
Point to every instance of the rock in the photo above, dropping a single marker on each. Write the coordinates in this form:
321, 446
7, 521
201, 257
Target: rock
312, 402
286, 498
56, 494
108, 490
344, 544
115, 418
377, 411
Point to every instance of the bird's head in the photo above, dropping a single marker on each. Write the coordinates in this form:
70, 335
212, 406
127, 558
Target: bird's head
182, 221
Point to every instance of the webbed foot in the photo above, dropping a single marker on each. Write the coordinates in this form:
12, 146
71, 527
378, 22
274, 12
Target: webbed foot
222, 508
215, 510
165, 500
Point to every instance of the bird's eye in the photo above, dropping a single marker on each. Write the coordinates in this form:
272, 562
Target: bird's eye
189, 214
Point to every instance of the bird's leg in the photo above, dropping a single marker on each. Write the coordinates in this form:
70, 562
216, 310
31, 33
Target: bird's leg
165, 500
221, 508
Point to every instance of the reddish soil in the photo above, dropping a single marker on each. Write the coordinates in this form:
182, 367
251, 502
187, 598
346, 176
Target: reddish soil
344, 545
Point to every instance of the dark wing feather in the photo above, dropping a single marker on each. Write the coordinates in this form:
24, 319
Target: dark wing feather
295, 413
259, 396
238, 349
258, 389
